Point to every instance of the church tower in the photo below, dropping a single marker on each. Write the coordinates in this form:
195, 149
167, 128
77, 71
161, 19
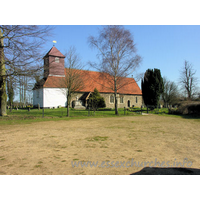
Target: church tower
54, 64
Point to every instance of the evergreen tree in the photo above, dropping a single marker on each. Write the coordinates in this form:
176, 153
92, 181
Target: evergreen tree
152, 87
96, 101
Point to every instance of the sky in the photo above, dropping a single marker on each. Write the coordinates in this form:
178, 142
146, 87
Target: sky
164, 47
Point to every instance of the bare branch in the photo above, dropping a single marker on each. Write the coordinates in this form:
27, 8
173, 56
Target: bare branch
20, 53
117, 55
188, 80
73, 75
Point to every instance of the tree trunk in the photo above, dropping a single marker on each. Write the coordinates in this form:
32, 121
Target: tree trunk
115, 94
10, 106
25, 88
67, 109
68, 102
19, 90
189, 95
3, 96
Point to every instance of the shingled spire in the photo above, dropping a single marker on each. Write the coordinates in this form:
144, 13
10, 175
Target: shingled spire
54, 63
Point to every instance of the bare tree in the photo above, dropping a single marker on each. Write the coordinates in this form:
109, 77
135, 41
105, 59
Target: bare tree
73, 76
170, 93
117, 56
20, 46
24, 84
188, 79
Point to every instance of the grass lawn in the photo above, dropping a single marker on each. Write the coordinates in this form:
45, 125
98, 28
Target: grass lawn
51, 147
62, 112
23, 116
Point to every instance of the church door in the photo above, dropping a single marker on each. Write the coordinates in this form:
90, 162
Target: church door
128, 103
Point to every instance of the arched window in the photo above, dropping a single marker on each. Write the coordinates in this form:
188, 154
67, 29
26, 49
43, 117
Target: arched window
129, 103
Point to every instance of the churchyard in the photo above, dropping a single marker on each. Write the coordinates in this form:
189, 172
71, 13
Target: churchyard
53, 146
34, 115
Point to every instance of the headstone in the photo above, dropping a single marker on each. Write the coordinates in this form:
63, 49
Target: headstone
77, 104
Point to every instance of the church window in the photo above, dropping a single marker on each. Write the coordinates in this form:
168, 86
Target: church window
121, 99
111, 99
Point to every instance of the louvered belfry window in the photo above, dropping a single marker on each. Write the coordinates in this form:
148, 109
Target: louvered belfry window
56, 59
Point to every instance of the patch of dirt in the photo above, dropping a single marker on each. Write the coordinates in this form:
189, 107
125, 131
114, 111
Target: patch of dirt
126, 145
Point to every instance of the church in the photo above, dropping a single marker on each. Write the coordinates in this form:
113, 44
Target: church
51, 90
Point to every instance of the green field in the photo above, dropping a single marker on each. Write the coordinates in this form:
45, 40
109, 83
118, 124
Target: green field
34, 115
22, 116
61, 112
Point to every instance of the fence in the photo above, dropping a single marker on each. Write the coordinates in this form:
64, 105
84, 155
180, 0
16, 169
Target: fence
62, 112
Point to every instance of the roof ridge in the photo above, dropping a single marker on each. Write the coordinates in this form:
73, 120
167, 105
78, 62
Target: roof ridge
54, 52
101, 72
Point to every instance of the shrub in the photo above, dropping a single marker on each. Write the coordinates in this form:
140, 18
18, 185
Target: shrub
187, 109
193, 109
174, 111
96, 101
105, 109
151, 107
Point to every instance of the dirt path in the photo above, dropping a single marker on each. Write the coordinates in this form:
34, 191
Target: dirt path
51, 147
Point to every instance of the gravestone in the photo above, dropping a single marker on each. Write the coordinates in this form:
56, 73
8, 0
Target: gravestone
77, 104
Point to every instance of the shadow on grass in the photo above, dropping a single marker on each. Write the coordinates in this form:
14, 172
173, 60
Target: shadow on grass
186, 116
167, 171
191, 116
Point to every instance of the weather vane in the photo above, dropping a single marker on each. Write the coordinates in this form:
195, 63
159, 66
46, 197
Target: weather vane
54, 42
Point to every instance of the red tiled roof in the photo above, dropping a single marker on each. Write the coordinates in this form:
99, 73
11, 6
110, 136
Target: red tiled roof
92, 80
54, 52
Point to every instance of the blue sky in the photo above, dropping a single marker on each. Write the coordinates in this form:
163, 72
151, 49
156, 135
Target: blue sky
161, 46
